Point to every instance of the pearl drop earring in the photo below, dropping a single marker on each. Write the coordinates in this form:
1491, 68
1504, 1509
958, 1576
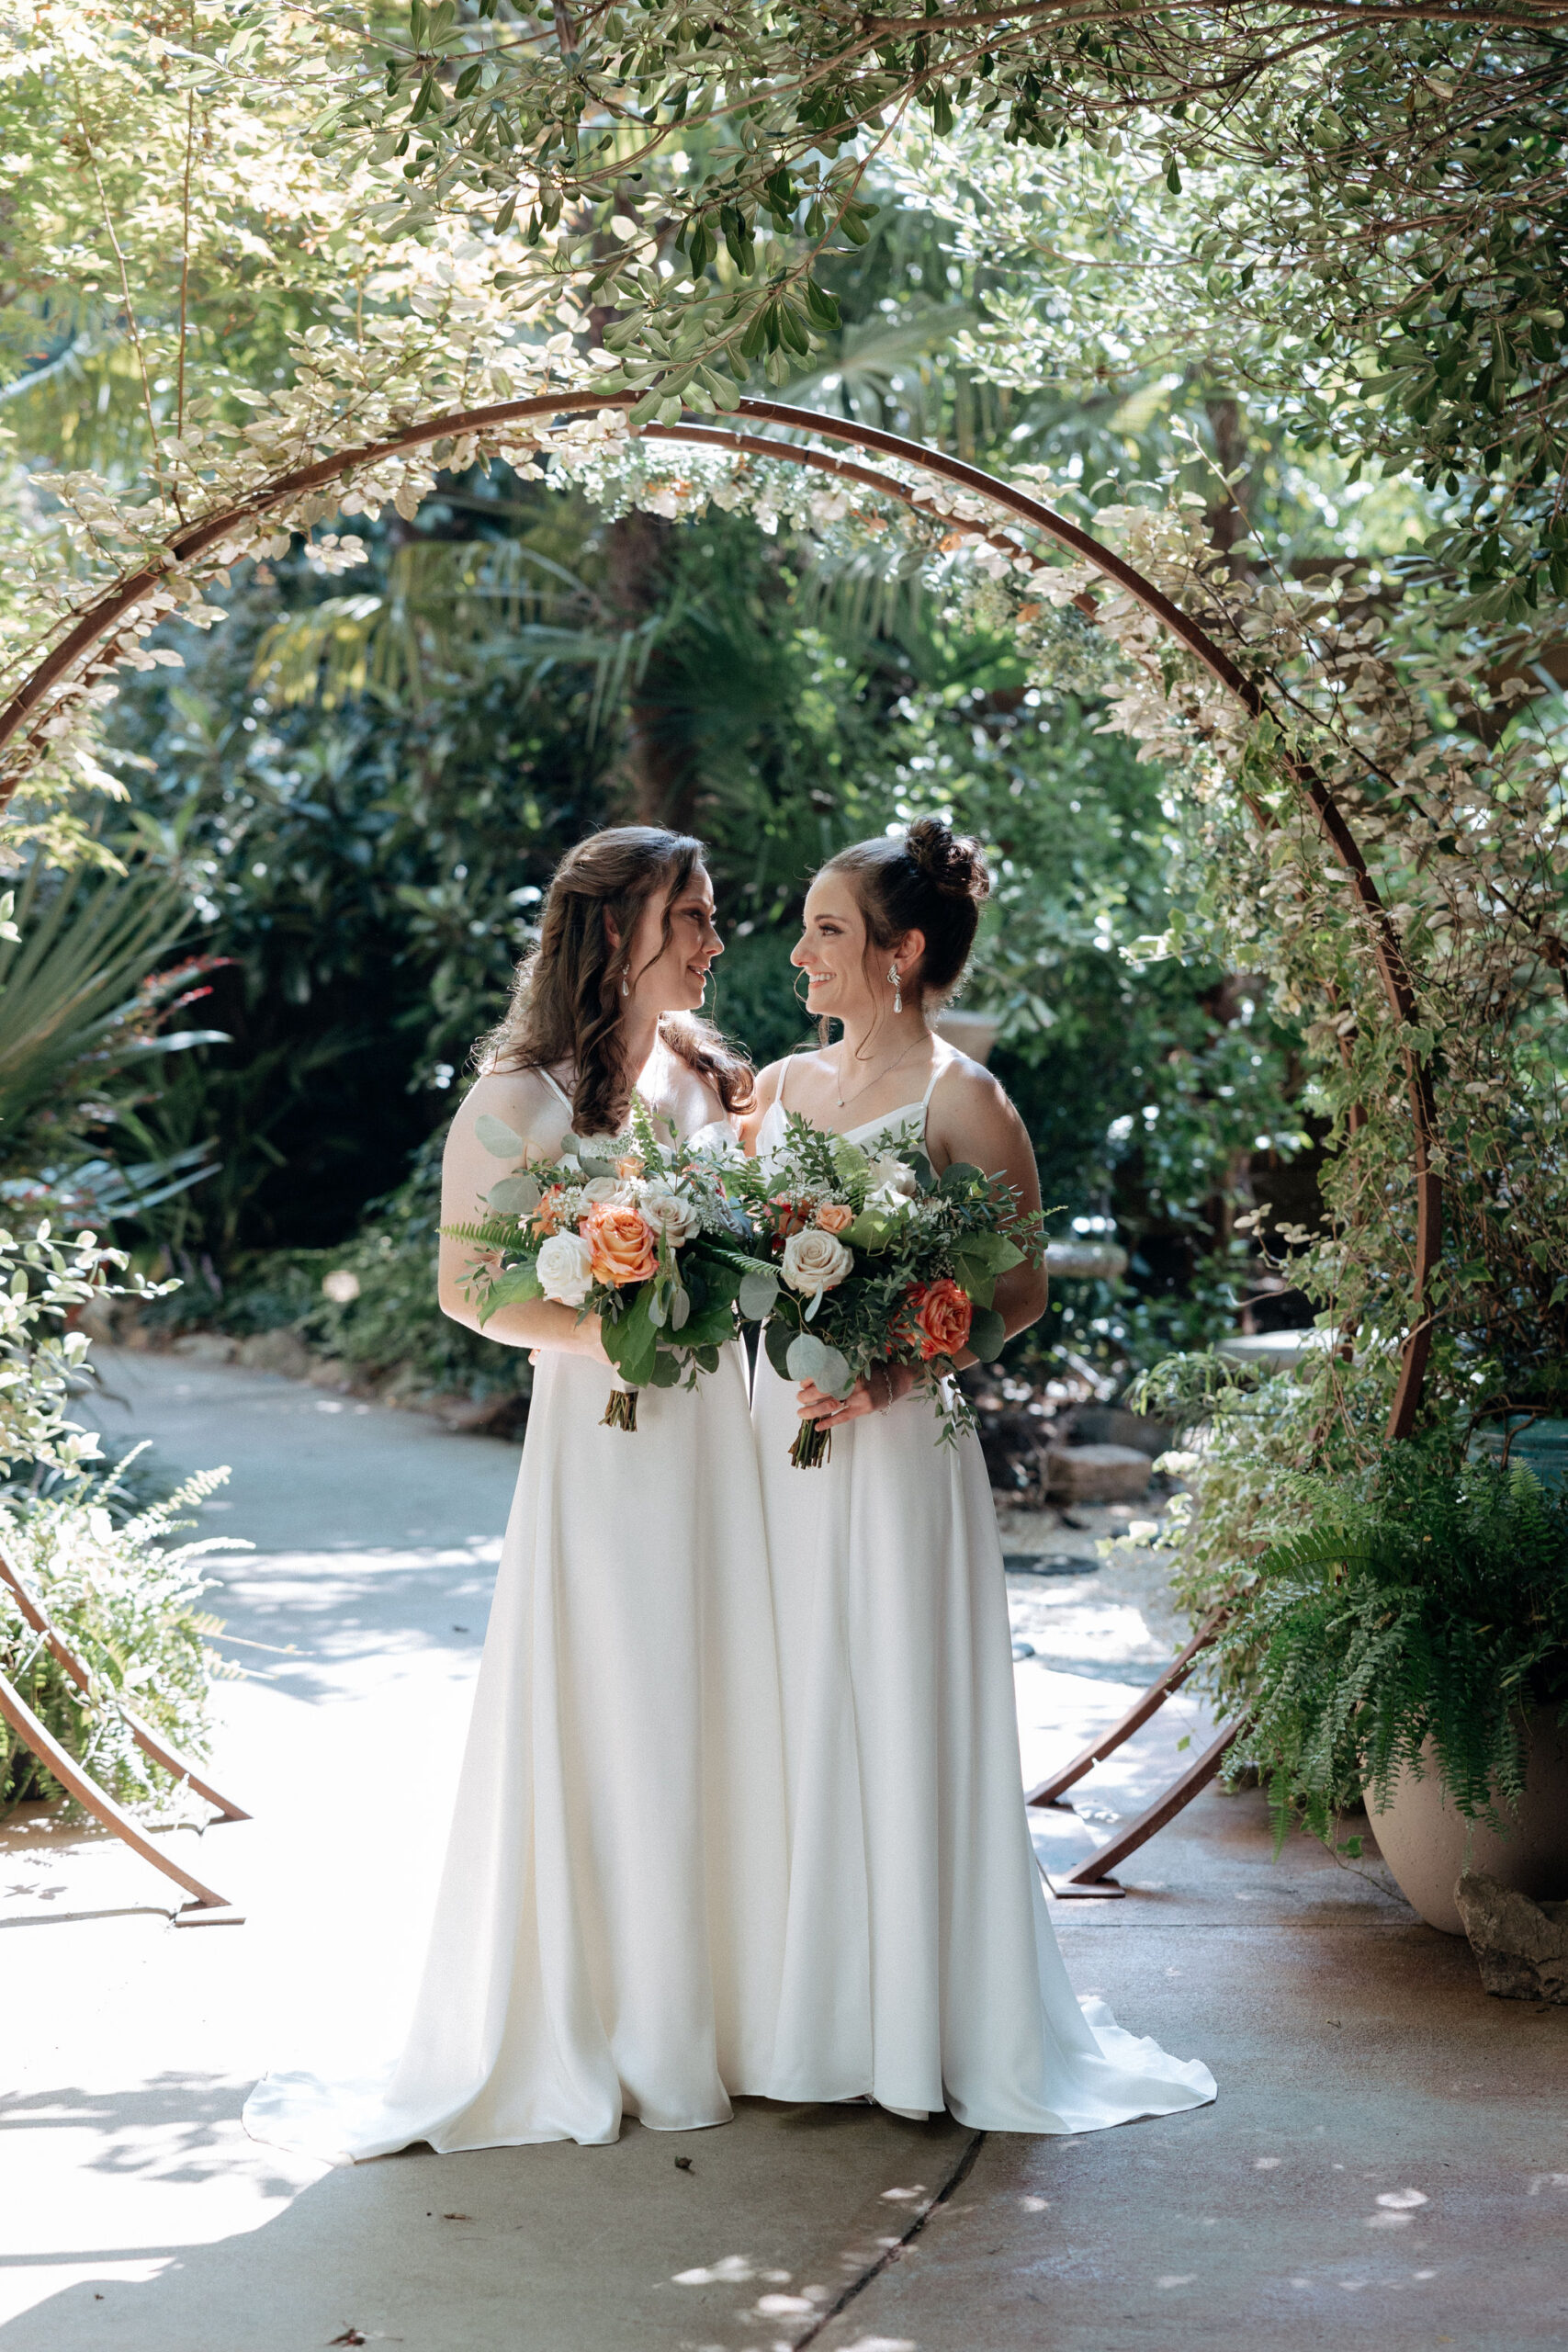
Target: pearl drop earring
624, 988
897, 987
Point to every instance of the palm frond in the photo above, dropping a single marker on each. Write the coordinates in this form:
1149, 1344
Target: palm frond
75, 975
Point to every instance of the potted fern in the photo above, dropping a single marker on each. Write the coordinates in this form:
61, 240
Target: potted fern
1410, 1643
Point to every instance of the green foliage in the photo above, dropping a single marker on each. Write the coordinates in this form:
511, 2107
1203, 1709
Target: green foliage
390, 1322
45, 1281
1425, 1598
126, 1601
119, 1596
1245, 1437
80, 999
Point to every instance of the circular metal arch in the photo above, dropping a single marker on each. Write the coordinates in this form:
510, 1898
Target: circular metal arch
75, 652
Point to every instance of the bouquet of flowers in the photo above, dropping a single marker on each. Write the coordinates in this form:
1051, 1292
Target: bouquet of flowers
638, 1232
874, 1258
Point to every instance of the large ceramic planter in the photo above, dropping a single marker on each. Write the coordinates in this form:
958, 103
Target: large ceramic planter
1426, 1843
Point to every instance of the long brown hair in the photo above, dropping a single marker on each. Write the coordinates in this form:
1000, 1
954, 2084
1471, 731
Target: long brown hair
566, 998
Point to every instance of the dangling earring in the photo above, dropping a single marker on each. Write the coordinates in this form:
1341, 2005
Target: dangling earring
897, 987
624, 988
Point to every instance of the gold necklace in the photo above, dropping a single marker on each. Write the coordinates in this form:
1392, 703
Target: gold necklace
845, 1100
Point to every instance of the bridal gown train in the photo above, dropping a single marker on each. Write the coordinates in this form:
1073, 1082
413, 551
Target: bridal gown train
608, 1935
920, 1967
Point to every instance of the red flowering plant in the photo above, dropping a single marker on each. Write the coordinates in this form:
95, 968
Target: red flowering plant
871, 1259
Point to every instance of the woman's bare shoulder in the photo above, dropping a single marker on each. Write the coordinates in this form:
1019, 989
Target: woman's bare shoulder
969, 1086
522, 1100
772, 1081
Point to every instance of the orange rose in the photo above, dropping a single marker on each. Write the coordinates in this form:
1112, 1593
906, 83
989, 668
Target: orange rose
622, 1245
546, 1216
631, 1166
835, 1216
939, 1315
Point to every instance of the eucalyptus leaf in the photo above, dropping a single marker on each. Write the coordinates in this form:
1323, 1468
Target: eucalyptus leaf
497, 1136
514, 1195
631, 1343
807, 1356
758, 1291
988, 1334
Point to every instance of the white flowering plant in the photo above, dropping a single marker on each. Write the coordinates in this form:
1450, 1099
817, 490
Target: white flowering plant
872, 1258
642, 1232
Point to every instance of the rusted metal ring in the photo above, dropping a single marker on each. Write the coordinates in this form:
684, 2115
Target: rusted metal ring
1394, 972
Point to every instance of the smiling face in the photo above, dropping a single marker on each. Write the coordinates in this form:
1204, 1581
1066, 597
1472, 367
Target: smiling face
671, 977
833, 952
846, 971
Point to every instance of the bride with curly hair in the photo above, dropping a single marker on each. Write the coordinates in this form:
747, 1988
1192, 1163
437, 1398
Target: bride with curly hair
609, 1931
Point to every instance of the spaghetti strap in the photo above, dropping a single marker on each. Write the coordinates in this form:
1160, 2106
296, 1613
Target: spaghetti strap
559, 1091
938, 1063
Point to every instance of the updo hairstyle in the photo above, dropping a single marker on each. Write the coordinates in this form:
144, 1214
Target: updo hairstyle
566, 998
929, 881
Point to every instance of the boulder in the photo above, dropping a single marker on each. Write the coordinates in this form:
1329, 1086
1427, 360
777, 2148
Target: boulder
1521, 1947
205, 1347
280, 1350
1097, 1473
1113, 1425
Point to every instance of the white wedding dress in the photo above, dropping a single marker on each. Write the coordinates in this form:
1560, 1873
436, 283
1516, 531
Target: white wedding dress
920, 1963
609, 1932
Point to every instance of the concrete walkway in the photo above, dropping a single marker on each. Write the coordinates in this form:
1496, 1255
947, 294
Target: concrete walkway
1388, 2160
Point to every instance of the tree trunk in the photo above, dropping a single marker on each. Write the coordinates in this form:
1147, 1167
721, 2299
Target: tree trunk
660, 756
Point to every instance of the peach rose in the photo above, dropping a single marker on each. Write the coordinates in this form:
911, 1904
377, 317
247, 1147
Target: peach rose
835, 1216
621, 1243
631, 1165
939, 1316
546, 1216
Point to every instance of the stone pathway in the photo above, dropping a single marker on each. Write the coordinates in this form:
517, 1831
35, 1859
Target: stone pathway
1385, 2163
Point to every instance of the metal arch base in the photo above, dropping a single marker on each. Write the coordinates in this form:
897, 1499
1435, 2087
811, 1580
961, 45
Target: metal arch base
56, 1759
207, 1907
152, 1744
1092, 1877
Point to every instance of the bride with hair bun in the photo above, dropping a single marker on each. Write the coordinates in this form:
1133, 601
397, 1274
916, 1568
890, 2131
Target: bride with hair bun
919, 1965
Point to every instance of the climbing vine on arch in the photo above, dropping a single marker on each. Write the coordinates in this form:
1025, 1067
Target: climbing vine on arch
404, 311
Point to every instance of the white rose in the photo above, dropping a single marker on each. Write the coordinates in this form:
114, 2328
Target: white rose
604, 1187
890, 1175
565, 1268
716, 1141
815, 1261
887, 1201
668, 1214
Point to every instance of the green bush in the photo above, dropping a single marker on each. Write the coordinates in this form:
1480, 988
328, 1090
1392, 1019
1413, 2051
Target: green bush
1425, 1598
392, 1321
1247, 1435
128, 1603
119, 1596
